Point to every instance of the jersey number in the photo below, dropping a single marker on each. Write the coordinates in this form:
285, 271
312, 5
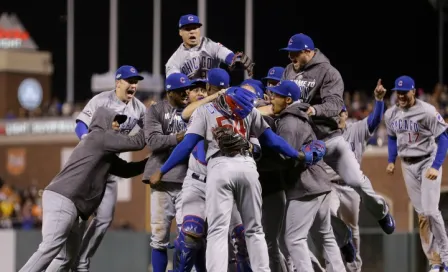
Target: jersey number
413, 137
238, 126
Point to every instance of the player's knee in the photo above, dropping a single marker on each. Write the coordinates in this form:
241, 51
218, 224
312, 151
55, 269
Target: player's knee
432, 215
192, 232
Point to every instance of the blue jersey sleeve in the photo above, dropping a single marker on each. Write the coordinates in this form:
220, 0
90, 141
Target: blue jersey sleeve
272, 140
442, 148
81, 129
375, 117
181, 152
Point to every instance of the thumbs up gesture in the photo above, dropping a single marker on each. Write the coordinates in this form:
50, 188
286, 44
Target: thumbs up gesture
380, 91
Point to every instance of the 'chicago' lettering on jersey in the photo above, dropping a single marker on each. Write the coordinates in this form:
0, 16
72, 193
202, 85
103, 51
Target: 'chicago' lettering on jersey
195, 64
401, 125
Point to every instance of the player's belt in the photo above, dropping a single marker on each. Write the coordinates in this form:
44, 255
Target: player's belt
414, 160
201, 178
339, 182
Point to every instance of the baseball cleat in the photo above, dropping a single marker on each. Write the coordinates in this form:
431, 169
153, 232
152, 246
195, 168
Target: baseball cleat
349, 250
387, 224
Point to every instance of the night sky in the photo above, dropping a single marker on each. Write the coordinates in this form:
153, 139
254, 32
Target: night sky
364, 40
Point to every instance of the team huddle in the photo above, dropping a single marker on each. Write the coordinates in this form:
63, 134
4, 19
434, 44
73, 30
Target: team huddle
260, 176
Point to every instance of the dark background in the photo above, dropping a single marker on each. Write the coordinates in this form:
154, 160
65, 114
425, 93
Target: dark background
365, 40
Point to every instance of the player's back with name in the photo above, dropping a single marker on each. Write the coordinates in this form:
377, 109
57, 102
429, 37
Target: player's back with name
415, 128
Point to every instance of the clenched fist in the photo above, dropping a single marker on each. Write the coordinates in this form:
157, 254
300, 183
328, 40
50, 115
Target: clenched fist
390, 168
379, 91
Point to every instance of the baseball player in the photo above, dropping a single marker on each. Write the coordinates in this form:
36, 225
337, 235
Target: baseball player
307, 186
189, 243
345, 200
231, 172
78, 189
273, 77
196, 55
322, 88
123, 101
417, 134
164, 129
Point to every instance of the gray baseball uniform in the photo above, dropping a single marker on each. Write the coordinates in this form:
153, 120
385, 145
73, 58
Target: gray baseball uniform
78, 189
416, 129
98, 226
231, 179
322, 87
162, 123
308, 206
194, 202
195, 62
345, 200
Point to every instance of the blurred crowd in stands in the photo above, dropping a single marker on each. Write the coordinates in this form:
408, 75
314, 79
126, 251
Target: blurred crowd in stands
20, 208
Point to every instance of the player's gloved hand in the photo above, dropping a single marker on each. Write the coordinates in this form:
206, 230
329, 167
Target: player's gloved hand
432, 173
155, 179
241, 60
390, 168
379, 91
313, 152
230, 143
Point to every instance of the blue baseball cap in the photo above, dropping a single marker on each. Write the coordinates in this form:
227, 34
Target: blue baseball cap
252, 81
256, 85
127, 71
404, 83
189, 19
218, 77
287, 88
199, 82
275, 73
177, 81
299, 42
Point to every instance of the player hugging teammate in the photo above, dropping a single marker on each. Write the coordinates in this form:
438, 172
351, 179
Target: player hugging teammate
251, 173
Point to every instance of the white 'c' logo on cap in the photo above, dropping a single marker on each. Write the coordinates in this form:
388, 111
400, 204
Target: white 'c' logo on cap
290, 41
400, 83
182, 80
272, 72
190, 18
133, 70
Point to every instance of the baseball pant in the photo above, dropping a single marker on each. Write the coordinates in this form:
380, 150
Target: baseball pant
193, 203
340, 157
59, 225
425, 197
429, 245
311, 215
345, 203
165, 206
272, 219
232, 179
92, 236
